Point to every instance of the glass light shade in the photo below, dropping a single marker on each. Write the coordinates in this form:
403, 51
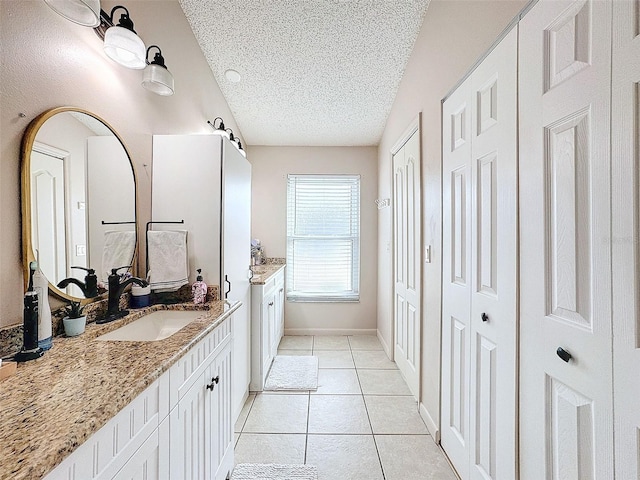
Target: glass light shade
158, 79
125, 47
82, 12
222, 133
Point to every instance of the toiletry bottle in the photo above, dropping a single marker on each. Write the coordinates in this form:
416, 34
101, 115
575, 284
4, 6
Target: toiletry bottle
41, 286
199, 289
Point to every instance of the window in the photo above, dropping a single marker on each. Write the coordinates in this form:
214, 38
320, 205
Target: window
323, 238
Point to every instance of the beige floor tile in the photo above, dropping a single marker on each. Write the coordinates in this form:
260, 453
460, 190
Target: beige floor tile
373, 359
270, 448
334, 381
394, 415
338, 414
278, 414
383, 382
412, 457
244, 412
296, 342
334, 359
364, 342
282, 351
330, 342
344, 457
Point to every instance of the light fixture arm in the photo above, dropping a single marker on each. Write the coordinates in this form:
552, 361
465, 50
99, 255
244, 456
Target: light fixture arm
231, 137
125, 20
158, 59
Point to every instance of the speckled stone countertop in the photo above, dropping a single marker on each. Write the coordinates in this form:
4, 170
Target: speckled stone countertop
262, 273
53, 404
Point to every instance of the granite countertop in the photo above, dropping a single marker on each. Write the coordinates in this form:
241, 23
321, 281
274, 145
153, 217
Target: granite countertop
263, 273
53, 404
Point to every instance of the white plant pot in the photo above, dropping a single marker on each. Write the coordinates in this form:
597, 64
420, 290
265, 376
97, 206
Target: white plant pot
74, 326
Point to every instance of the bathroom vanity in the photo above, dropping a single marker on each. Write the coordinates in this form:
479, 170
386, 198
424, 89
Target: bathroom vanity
267, 320
94, 409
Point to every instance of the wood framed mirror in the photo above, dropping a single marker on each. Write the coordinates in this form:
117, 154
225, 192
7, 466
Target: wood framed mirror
78, 198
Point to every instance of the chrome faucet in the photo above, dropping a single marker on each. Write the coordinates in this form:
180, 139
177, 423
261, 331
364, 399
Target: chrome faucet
116, 288
90, 285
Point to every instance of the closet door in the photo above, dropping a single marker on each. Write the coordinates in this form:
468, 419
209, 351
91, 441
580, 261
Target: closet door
566, 415
456, 276
626, 235
480, 266
494, 264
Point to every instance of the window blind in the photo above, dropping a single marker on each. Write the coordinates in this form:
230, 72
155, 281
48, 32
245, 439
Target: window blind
323, 238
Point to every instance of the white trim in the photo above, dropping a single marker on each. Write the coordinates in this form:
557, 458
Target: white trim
330, 331
385, 345
413, 127
49, 150
432, 426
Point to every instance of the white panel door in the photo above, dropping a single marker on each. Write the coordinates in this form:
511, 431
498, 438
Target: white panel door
480, 269
626, 235
236, 259
456, 276
407, 271
566, 415
494, 264
48, 209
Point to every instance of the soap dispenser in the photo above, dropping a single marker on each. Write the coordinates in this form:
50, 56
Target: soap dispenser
30, 349
199, 289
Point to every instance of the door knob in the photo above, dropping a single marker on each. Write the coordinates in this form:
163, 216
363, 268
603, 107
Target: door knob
563, 354
485, 317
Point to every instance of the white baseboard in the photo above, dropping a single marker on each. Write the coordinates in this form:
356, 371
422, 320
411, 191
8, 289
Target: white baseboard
330, 331
434, 431
385, 345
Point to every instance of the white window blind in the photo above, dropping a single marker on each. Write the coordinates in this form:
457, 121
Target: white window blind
323, 238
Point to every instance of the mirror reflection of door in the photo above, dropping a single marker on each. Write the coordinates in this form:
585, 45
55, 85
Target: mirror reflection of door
49, 209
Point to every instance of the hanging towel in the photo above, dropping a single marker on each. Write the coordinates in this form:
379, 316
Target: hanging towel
168, 260
119, 247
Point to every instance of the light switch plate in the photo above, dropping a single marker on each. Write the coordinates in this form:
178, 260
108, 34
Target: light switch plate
81, 250
427, 254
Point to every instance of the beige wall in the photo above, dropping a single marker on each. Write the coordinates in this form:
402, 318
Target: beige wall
270, 166
48, 61
454, 34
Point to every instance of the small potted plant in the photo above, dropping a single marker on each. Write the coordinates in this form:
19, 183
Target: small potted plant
75, 321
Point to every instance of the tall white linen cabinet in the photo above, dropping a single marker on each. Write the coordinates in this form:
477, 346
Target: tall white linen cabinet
205, 181
541, 245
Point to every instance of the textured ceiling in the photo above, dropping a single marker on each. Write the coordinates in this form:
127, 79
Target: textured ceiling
314, 72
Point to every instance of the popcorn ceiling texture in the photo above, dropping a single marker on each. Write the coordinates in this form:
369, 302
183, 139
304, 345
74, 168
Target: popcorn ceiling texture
314, 72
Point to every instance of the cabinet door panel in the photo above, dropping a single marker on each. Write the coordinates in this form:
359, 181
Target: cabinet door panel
145, 463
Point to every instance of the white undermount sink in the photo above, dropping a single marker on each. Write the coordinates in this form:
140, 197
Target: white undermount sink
154, 326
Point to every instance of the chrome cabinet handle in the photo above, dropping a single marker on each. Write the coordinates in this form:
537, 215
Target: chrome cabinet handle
563, 354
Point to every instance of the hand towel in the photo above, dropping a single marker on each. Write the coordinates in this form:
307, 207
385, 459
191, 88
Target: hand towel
118, 250
168, 259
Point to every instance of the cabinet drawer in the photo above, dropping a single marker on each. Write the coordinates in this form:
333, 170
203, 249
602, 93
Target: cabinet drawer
185, 372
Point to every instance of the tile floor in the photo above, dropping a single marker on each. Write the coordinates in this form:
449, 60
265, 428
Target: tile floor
361, 424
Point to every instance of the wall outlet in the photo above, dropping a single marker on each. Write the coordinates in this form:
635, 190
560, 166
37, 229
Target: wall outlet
427, 254
81, 250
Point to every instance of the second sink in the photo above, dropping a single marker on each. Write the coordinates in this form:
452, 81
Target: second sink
154, 326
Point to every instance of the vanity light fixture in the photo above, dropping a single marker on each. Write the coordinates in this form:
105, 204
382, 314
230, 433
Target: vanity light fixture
156, 78
231, 137
121, 43
82, 12
220, 128
244, 154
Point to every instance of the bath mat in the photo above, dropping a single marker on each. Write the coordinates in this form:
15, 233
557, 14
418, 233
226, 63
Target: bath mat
293, 373
274, 471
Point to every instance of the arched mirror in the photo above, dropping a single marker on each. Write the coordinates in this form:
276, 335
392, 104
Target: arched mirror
78, 198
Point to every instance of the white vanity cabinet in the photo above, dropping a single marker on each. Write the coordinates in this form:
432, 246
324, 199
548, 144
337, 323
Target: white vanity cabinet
180, 427
267, 326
